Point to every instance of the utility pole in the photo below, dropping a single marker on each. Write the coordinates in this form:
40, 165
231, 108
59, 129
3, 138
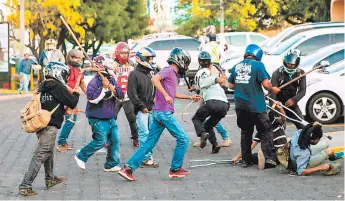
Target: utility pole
22, 28
221, 16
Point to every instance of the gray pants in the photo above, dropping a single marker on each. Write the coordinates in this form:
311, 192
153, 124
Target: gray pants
129, 111
44, 154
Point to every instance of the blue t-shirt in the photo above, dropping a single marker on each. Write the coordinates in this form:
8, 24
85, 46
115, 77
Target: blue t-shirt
299, 157
247, 77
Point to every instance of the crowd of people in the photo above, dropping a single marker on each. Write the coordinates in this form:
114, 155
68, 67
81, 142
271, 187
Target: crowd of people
147, 95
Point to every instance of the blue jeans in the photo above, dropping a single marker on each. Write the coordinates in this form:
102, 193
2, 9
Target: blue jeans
25, 84
100, 131
162, 120
143, 122
222, 131
67, 128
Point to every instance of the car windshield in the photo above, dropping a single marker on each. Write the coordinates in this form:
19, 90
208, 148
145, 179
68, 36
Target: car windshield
285, 45
273, 41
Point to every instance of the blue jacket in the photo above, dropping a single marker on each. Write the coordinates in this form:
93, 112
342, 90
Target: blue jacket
25, 66
100, 105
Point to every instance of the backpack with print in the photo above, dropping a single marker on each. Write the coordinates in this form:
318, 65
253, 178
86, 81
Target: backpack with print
33, 117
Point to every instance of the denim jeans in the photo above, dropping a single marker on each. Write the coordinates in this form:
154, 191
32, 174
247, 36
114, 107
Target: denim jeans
222, 131
162, 120
100, 130
25, 84
44, 154
143, 122
67, 128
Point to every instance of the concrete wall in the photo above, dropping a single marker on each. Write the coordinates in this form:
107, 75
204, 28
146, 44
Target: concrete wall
337, 10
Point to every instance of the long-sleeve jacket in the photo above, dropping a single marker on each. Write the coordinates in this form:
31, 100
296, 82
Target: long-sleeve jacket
209, 88
53, 93
140, 89
101, 105
295, 91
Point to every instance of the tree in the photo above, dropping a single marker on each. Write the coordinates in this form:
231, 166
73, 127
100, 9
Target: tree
113, 21
42, 20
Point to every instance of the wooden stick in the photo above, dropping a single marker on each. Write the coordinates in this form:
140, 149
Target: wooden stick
82, 49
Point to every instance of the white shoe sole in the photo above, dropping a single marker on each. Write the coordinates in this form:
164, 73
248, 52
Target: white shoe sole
80, 163
112, 169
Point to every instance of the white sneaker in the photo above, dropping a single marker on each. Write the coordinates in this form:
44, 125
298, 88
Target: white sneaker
102, 151
80, 163
113, 169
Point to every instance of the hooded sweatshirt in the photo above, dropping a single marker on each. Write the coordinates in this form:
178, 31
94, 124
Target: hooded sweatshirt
53, 93
100, 104
140, 88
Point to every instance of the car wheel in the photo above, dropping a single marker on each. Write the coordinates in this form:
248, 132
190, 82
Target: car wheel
324, 108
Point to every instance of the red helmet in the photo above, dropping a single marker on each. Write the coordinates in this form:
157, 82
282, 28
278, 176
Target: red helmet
99, 60
122, 47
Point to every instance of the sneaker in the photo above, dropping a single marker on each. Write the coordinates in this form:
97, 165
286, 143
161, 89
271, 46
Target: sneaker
246, 164
271, 163
203, 140
261, 160
135, 142
126, 172
335, 168
61, 148
55, 181
80, 163
102, 151
226, 143
27, 192
197, 143
113, 169
149, 164
68, 147
215, 149
178, 173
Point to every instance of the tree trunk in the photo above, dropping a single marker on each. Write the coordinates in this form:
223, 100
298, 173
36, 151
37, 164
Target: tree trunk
98, 47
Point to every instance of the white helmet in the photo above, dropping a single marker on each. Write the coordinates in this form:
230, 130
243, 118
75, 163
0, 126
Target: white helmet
51, 44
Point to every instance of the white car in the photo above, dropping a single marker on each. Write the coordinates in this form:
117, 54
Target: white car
163, 45
238, 41
307, 42
324, 99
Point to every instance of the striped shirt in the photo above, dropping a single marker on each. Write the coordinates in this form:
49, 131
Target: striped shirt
279, 137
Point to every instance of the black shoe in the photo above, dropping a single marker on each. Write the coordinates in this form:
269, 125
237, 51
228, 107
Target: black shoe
269, 163
215, 149
203, 140
246, 164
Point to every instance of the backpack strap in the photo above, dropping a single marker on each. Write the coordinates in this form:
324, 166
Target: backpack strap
51, 112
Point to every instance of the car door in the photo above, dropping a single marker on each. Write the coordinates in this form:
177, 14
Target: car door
192, 46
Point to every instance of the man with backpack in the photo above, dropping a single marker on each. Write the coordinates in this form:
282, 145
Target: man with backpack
292, 93
54, 97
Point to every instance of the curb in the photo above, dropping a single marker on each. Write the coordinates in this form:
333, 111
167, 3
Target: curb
18, 96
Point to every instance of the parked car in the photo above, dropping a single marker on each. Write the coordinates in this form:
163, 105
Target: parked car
238, 41
324, 99
163, 46
294, 30
333, 54
307, 42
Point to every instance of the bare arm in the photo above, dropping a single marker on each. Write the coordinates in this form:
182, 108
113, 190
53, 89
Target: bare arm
315, 169
239, 155
231, 86
182, 96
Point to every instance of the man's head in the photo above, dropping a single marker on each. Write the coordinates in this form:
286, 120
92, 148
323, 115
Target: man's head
310, 135
122, 52
144, 57
75, 58
50, 44
181, 59
212, 37
253, 52
209, 29
26, 56
204, 59
291, 60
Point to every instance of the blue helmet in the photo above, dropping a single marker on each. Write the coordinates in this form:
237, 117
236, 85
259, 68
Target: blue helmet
144, 56
254, 51
57, 71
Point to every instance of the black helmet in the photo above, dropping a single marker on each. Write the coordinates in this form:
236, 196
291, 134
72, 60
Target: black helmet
57, 71
204, 59
292, 57
181, 58
212, 36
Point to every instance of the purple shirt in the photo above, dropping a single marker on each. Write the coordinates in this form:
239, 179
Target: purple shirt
169, 82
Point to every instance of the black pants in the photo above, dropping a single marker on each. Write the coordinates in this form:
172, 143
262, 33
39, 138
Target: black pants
214, 109
246, 121
293, 116
129, 112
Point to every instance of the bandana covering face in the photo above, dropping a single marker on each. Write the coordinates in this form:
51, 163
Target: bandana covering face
309, 132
